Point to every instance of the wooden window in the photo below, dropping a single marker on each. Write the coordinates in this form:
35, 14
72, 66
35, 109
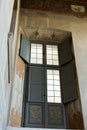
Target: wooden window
51, 81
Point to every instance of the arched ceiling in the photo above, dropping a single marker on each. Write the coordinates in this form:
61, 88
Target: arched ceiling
78, 7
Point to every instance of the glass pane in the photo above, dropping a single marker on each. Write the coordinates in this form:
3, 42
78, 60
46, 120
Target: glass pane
53, 86
49, 56
55, 52
56, 72
49, 51
39, 50
57, 88
50, 87
49, 81
49, 62
56, 77
57, 99
39, 61
33, 55
36, 53
33, 60
55, 62
39, 55
55, 57
50, 99
57, 93
49, 72
50, 93
56, 82
49, 76
33, 46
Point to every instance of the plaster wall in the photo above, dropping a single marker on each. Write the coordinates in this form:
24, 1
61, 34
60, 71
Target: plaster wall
44, 20
6, 7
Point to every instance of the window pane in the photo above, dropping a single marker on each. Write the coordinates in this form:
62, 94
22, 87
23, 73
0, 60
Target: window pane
49, 57
39, 61
50, 93
53, 86
33, 50
52, 54
55, 62
33, 55
49, 62
56, 82
56, 72
49, 76
39, 56
36, 53
33, 45
50, 82
56, 77
50, 99
50, 87
33, 60
57, 88
57, 93
49, 72
57, 100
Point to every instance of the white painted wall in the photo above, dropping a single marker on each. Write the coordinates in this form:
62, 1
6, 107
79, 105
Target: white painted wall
6, 7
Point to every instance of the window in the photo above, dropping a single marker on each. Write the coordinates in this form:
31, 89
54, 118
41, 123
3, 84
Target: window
50, 82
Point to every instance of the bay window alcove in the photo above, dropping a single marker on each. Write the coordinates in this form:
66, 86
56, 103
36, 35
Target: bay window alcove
50, 82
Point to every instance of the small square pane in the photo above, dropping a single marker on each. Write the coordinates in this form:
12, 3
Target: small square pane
33, 46
50, 87
49, 62
49, 72
56, 72
33, 50
50, 93
33, 55
49, 51
39, 61
49, 56
57, 99
56, 82
50, 99
57, 93
56, 77
39, 56
57, 88
55, 62
55, 57
49, 76
55, 52
49, 81
39, 50
33, 60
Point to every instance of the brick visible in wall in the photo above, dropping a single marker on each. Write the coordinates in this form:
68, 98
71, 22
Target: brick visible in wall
20, 66
15, 118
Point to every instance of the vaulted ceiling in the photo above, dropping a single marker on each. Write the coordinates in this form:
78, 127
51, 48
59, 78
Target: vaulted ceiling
61, 6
